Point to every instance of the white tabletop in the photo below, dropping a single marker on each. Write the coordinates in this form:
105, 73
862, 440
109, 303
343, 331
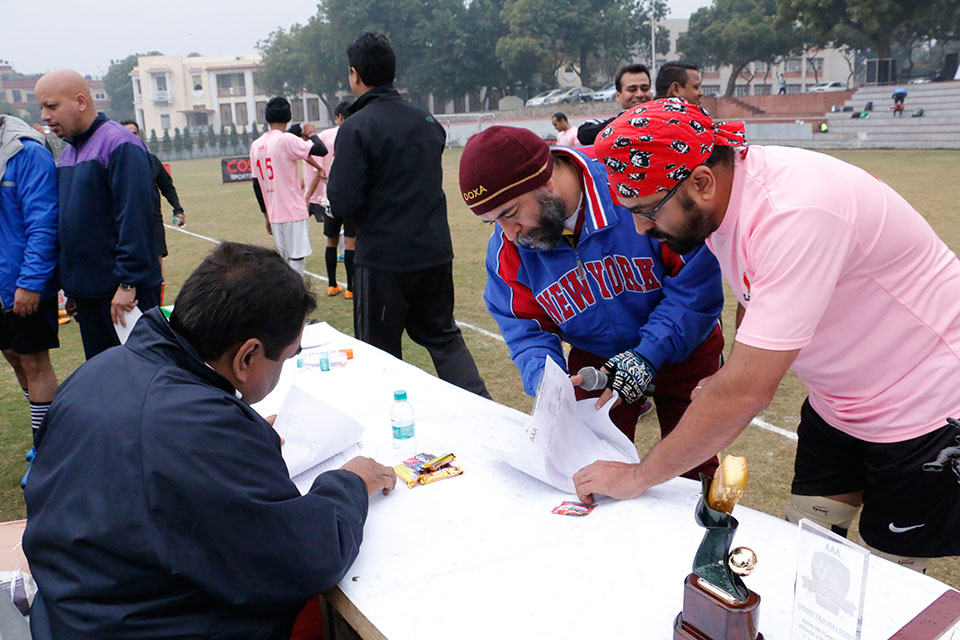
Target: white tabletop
482, 556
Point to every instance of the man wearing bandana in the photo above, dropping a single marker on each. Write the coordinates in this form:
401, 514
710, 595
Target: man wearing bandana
565, 264
838, 278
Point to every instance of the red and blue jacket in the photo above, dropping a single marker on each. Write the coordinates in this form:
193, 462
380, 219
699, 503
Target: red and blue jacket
616, 290
106, 212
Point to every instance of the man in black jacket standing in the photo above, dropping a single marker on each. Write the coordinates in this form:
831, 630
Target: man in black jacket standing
388, 179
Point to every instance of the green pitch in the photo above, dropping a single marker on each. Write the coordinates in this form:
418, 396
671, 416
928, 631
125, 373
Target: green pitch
229, 212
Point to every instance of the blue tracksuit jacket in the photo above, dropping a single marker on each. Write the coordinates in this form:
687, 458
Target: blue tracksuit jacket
106, 212
616, 290
28, 223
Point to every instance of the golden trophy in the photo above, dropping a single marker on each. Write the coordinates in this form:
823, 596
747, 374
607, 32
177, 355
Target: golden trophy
717, 605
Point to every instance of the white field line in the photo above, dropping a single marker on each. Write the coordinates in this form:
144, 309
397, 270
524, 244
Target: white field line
757, 422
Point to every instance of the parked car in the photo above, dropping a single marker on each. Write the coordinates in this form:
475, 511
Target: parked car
606, 92
826, 87
538, 99
572, 94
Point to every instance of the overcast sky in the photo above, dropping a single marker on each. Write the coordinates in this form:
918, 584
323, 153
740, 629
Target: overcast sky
86, 36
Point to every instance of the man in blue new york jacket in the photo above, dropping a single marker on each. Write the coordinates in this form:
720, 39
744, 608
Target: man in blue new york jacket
108, 260
28, 261
566, 265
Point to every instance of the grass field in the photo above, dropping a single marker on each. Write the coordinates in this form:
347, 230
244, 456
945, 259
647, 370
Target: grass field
229, 212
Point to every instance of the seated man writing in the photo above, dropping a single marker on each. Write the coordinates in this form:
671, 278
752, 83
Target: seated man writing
159, 505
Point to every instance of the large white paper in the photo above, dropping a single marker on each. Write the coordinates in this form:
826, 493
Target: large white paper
564, 435
129, 318
313, 431
304, 481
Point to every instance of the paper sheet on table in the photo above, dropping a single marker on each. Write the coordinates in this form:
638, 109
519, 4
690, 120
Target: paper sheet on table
564, 435
130, 318
304, 481
312, 430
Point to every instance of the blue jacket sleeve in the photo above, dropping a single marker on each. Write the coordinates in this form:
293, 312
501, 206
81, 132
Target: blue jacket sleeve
229, 519
131, 184
37, 190
692, 301
529, 332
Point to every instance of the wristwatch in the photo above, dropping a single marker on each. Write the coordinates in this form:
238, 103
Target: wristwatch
127, 287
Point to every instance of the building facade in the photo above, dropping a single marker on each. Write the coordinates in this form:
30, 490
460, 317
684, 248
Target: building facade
800, 73
18, 92
195, 92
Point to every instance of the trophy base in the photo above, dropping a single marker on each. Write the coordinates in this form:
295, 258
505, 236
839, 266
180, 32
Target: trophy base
706, 616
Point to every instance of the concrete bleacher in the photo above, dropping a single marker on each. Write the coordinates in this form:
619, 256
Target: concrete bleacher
938, 128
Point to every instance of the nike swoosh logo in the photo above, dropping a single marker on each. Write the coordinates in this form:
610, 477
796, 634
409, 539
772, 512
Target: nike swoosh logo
895, 529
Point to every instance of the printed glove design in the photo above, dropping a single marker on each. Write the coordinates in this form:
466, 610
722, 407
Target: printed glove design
632, 375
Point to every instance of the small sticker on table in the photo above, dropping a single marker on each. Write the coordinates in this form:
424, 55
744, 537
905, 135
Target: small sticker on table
568, 508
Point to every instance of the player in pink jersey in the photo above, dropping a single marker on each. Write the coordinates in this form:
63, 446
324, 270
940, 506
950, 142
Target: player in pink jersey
273, 159
320, 208
837, 278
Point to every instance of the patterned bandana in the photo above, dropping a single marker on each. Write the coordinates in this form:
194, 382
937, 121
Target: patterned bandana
654, 146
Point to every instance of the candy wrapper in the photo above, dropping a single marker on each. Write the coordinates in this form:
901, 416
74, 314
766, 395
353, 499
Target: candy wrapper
411, 470
568, 508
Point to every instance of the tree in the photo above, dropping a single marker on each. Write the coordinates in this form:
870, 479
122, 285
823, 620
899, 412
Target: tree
116, 82
167, 144
177, 141
188, 142
254, 133
738, 32
153, 144
201, 140
233, 136
7, 109
223, 139
552, 33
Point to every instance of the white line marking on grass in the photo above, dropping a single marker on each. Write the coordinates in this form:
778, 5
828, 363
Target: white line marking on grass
757, 422
763, 424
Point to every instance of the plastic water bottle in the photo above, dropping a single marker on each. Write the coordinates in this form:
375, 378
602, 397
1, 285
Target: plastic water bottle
404, 433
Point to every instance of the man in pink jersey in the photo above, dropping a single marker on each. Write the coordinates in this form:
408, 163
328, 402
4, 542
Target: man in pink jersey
273, 159
838, 278
320, 208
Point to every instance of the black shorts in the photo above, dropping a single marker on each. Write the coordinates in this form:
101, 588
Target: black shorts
332, 224
33, 334
910, 507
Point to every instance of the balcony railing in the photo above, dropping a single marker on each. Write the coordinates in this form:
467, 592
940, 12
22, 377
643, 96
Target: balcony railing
161, 97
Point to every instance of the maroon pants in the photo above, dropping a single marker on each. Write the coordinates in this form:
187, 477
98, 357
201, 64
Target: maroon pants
674, 383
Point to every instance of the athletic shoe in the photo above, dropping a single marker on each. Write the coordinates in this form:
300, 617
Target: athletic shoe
332, 291
340, 258
645, 408
348, 294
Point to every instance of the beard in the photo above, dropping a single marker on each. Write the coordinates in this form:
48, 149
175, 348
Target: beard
697, 227
549, 229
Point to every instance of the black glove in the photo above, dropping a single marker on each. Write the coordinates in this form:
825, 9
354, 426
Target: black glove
632, 375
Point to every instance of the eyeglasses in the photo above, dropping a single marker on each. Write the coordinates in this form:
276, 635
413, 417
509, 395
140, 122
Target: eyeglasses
652, 214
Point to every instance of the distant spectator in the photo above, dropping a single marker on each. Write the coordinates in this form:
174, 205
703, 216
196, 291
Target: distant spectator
108, 258
783, 84
164, 184
633, 89
567, 135
679, 80
899, 95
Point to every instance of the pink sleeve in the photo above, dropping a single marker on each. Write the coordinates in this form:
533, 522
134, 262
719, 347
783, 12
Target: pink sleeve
796, 257
297, 146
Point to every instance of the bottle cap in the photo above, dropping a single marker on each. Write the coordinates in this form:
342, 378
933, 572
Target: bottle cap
400, 395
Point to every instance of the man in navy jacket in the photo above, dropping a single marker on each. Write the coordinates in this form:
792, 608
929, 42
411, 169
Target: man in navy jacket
108, 259
565, 265
159, 505
28, 261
